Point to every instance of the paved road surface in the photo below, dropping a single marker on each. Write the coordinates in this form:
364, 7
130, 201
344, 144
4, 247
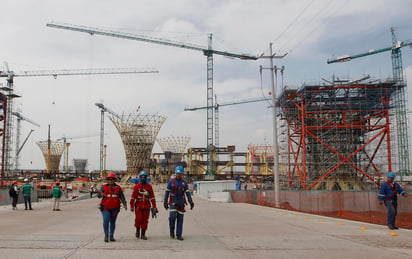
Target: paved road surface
212, 230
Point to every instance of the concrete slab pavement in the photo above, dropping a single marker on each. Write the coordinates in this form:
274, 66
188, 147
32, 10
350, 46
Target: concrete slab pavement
211, 230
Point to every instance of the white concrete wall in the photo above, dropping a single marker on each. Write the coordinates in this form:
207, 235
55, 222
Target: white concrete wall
205, 188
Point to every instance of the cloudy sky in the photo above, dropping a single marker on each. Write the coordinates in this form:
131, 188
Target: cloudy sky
310, 31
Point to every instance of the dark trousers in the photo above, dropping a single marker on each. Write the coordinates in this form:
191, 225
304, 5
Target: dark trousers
109, 221
15, 199
176, 217
27, 199
392, 212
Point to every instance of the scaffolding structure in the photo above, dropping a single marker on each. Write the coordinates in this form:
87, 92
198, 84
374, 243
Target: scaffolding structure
56, 151
138, 133
339, 136
261, 156
80, 165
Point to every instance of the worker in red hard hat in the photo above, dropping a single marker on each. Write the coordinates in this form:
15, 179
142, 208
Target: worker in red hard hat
388, 195
112, 196
142, 201
57, 193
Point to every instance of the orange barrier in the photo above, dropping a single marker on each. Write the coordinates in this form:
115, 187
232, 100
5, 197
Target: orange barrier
358, 206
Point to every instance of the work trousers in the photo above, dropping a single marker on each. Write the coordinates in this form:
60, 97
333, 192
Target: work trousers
109, 221
27, 200
15, 199
392, 212
56, 203
142, 218
176, 217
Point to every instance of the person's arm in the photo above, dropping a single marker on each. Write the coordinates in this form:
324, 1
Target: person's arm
166, 197
400, 190
100, 193
122, 199
382, 193
152, 197
189, 196
133, 198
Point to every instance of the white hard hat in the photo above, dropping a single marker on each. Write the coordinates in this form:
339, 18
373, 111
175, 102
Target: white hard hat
26, 180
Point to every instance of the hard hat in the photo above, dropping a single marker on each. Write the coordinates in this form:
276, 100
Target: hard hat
143, 173
391, 175
57, 182
111, 175
179, 169
26, 180
14, 182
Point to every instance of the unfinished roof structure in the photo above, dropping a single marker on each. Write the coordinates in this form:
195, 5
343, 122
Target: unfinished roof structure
138, 133
56, 151
80, 165
174, 144
338, 135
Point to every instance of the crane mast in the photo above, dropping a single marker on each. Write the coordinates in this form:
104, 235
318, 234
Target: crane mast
399, 99
207, 51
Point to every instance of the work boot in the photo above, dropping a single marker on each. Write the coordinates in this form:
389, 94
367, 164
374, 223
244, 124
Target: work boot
395, 227
391, 227
138, 232
106, 239
180, 238
143, 234
112, 239
172, 235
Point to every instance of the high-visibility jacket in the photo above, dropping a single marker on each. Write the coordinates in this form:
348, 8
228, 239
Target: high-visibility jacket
27, 188
57, 191
112, 199
143, 197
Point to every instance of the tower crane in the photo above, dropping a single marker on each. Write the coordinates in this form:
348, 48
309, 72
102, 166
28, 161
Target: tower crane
399, 100
10, 75
216, 109
103, 109
18, 134
207, 51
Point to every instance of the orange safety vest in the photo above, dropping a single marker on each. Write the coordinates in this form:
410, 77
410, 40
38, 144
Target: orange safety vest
112, 199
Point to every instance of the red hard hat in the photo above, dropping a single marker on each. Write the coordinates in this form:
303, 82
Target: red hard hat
14, 181
57, 182
111, 175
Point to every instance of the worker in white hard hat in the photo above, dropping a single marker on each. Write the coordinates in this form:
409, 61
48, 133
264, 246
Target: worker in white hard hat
27, 194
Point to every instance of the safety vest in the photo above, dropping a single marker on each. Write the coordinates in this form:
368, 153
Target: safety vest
26, 188
56, 192
112, 199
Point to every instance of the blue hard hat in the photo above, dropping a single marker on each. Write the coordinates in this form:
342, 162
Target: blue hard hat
391, 175
142, 173
179, 170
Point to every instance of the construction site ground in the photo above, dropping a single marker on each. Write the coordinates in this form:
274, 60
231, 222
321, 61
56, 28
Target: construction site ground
211, 230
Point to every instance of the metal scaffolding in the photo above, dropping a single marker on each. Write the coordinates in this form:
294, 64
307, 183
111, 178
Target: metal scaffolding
80, 165
56, 151
339, 136
138, 134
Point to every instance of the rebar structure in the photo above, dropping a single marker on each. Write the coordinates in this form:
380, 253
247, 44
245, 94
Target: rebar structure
56, 151
80, 165
138, 134
339, 136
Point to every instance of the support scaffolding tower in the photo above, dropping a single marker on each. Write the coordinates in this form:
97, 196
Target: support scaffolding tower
339, 136
138, 134
80, 165
56, 151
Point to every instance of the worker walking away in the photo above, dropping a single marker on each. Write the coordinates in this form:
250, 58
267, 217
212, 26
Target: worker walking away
388, 196
27, 187
142, 202
57, 194
112, 196
175, 199
14, 194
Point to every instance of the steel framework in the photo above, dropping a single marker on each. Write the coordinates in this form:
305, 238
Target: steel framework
138, 134
80, 165
261, 154
338, 134
56, 151
174, 144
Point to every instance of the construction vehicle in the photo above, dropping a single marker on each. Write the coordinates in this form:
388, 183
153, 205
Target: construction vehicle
207, 51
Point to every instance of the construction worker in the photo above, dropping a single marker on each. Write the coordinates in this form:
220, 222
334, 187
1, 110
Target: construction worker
57, 193
142, 202
14, 194
388, 196
175, 198
112, 196
27, 187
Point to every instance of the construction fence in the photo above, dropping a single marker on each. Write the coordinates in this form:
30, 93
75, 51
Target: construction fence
351, 205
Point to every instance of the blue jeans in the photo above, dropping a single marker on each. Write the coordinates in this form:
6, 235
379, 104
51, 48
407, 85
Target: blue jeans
392, 212
27, 199
109, 221
173, 217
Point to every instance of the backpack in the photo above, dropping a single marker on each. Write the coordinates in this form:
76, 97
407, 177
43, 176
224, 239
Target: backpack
12, 192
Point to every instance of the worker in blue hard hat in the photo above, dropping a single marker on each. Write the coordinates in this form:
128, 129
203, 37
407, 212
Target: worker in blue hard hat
176, 199
142, 202
388, 196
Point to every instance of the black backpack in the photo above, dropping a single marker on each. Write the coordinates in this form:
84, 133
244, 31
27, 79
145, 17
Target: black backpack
12, 192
